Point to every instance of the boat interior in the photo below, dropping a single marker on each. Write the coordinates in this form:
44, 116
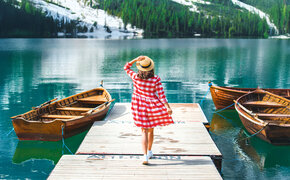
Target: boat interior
281, 92
69, 108
267, 107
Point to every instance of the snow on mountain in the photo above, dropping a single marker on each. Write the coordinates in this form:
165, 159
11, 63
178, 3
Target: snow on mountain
250, 8
257, 11
191, 4
87, 16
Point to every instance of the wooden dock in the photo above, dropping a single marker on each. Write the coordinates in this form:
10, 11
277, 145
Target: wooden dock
112, 148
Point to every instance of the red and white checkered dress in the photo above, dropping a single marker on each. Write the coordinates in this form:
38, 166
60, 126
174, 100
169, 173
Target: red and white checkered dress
148, 109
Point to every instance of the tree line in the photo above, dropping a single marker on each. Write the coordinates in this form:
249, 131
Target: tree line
279, 11
22, 19
162, 18
170, 19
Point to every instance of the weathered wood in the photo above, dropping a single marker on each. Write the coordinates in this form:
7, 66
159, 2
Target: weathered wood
112, 149
94, 99
55, 116
224, 96
273, 115
118, 134
46, 123
271, 123
264, 104
130, 167
182, 112
81, 109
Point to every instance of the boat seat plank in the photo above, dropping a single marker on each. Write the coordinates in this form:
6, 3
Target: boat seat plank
82, 109
55, 116
264, 104
273, 115
93, 100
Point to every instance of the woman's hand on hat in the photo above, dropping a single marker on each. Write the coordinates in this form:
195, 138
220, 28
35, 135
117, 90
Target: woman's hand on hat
139, 58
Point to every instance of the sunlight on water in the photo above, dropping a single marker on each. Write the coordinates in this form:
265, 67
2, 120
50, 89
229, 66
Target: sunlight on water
37, 70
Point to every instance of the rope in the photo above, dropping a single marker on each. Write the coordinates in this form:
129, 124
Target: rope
10, 131
63, 144
254, 133
62, 127
204, 96
209, 85
224, 108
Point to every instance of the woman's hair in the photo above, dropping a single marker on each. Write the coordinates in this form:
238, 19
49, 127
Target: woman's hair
145, 74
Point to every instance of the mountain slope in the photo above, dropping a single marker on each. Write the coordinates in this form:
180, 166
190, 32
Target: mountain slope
166, 18
259, 12
94, 19
16, 22
278, 10
162, 18
70, 18
275, 12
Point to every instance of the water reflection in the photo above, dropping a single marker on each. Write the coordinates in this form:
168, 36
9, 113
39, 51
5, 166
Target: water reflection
219, 123
28, 150
36, 70
228, 128
31, 150
263, 153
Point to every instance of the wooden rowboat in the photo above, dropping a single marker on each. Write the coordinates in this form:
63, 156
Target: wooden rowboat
64, 118
224, 96
267, 115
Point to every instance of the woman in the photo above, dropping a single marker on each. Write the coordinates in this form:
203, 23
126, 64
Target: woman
148, 109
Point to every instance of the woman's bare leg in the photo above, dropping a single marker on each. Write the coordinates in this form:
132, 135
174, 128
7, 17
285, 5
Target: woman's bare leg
144, 140
150, 138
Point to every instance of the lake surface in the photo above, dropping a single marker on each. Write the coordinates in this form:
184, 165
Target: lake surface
37, 70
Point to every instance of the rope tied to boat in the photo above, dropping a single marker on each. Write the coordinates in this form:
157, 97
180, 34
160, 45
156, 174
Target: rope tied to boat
63, 143
254, 133
224, 108
208, 90
10, 131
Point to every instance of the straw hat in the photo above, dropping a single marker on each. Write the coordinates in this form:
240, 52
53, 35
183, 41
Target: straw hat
146, 64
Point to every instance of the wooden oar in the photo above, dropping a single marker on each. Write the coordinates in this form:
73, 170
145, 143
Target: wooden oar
47, 102
245, 109
102, 105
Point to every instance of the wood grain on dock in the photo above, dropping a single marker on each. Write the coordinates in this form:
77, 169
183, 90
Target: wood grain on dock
112, 148
130, 167
118, 134
182, 112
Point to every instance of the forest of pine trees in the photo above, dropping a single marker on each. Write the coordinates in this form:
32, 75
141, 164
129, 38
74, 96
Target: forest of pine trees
24, 22
162, 18
169, 19
27, 21
279, 11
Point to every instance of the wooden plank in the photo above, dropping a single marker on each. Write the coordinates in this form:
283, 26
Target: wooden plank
94, 99
182, 112
118, 135
130, 167
112, 149
273, 115
264, 104
203, 118
81, 109
55, 116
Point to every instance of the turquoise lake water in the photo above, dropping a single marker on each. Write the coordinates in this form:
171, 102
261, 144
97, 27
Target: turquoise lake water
37, 70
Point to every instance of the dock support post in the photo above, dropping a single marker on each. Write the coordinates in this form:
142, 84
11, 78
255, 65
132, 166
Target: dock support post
217, 160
